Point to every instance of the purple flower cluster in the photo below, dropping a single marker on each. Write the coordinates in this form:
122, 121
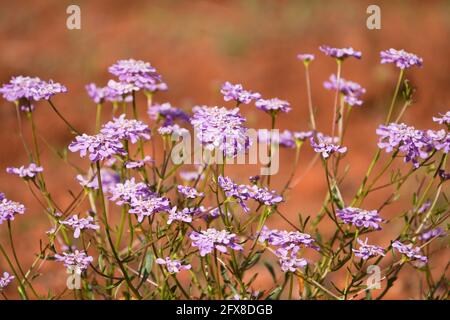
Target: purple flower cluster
291, 139
145, 206
400, 58
99, 146
138, 163
409, 251
349, 89
289, 260
166, 112
237, 93
360, 218
286, 240
126, 129
433, 233
5, 280
136, 72
121, 89
191, 175
25, 172
221, 129
8, 209
208, 240
273, 105
108, 176
184, 215
326, 145
100, 94
174, 130
340, 53
78, 224
305, 57
173, 266
443, 118
189, 192
76, 262
129, 191
366, 251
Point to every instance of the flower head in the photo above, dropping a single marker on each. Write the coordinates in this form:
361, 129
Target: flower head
28, 172
108, 176
78, 224
340, 53
366, 251
166, 112
349, 89
273, 105
5, 280
237, 93
97, 94
99, 146
189, 192
175, 131
138, 163
173, 266
136, 72
129, 191
126, 129
326, 145
360, 218
427, 235
289, 260
443, 118
147, 206
208, 240
409, 251
8, 209
184, 215
286, 240
305, 57
77, 262
400, 58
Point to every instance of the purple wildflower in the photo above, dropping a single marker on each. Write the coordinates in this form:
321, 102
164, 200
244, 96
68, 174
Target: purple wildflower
286, 239
190, 193
366, 251
425, 207
136, 72
5, 280
410, 251
440, 140
184, 215
78, 224
8, 209
126, 129
147, 206
340, 53
349, 89
191, 175
99, 147
236, 92
173, 266
287, 139
77, 262
263, 195
326, 145
108, 176
97, 94
300, 136
433, 233
25, 172
401, 58
273, 105
166, 112
360, 218
289, 261
305, 57
175, 131
129, 191
443, 119
161, 86
139, 163
220, 128
208, 240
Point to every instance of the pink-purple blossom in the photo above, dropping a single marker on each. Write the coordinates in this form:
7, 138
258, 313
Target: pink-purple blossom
189, 192
443, 118
129, 191
99, 147
147, 206
366, 251
432, 233
409, 251
340, 53
286, 239
9, 209
326, 145
289, 260
138, 163
305, 57
136, 72
28, 172
400, 58
76, 262
79, 224
185, 215
360, 218
166, 112
126, 129
273, 105
350, 90
237, 93
5, 280
173, 266
208, 240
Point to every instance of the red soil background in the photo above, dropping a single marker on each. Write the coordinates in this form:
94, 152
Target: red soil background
197, 45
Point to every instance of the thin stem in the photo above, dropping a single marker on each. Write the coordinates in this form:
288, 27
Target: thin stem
339, 67
397, 88
308, 89
98, 117
62, 118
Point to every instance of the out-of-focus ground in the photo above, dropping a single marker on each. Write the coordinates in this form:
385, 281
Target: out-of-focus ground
197, 45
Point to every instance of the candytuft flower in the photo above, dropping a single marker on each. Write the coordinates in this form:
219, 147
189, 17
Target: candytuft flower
273, 105
126, 129
173, 266
147, 206
5, 280
78, 224
136, 72
289, 260
189, 192
408, 250
286, 240
400, 58
360, 218
208, 240
129, 191
184, 215
443, 118
326, 145
340, 53
366, 251
166, 112
236, 92
8, 209
97, 94
349, 89
305, 57
108, 176
76, 262
99, 146
25, 172
437, 232
138, 163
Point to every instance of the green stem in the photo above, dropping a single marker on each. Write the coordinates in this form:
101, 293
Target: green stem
397, 88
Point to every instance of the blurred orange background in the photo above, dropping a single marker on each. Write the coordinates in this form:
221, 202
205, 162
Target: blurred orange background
196, 46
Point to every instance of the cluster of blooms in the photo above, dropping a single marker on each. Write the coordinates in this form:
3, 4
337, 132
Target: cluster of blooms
360, 218
237, 93
76, 261
192, 175
433, 233
443, 118
289, 260
166, 112
184, 215
99, 146
175, 131
8, 209
326, 145
173, 266
189, 192
409, 251
138, 163
128, 191
145, 206
400, 58
108, 176
349, 89
138, 73
78, 224
25, 172
340, 53
126, 129
291, 139
220, 129
273, 105
5, 280
208, 240
366, 251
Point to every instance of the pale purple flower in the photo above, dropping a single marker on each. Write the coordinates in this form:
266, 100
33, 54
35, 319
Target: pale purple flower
136, 72
97, 94
340, 53
5, 280
28, 172
326, 145
175, 131
273, 105
410, 251
189, 192
287, 139
427, 235
78, 224
262, 195
305, 57
173, 266
221, 129
425, 207
161, 86
400, 58
443, 118
121, 88
191, 175
129, 191
108, 176
184, 215
237, 93
349, 89
76, 262
301, 136
208, 240
99, 146
147, 206
166, 112
286, 240
366, 251
289, 261
360, 218
126, 129
8, 209
138, 163
232, 190
440, 140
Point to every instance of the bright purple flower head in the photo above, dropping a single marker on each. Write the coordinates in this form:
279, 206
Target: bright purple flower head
366, 251
173, 266
5, 280
78, 224
349, 89
25, 172
184, 215
166, 112
147, 206
76, 262
305, 57
126, 129
221, 129
129, 191
409, 251
340, 53
237, 93
400, 58
136, 72
189, 192
326, 145
174, 130
443, 118
287, 139
208, 240
273, 105
122, 89
360, 218
440, 140
286, 240
99, 146
289, 260
97, 94
427, 235
8, 209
